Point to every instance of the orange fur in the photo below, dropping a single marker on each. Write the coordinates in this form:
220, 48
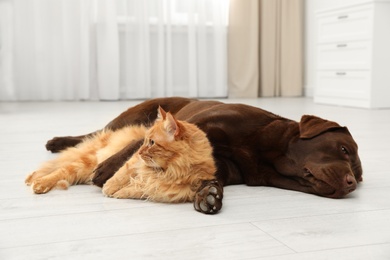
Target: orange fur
75, 165
169, 167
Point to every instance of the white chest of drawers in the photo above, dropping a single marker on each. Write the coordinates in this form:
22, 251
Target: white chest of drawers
353, 55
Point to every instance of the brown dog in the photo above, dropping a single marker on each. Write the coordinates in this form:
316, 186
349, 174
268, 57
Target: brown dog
251, 146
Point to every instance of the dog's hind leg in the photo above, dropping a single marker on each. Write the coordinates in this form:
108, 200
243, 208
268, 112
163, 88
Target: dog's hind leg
58, 144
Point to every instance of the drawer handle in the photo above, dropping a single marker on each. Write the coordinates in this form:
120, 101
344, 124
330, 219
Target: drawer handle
342, 45
341, 73
342, 17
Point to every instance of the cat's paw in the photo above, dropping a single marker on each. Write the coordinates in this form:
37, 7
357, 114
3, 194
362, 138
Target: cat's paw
41, 186
109, 189
208, 199
121, 194
29, 179
34, 176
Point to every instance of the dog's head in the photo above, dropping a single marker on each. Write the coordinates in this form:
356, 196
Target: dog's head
327, 157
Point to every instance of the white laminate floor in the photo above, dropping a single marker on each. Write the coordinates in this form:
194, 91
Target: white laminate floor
255, 222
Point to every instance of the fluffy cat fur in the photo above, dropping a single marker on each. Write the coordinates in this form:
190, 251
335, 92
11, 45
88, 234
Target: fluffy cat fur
170, 166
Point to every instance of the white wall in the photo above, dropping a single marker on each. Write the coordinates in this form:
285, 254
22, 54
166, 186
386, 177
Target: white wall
311, 7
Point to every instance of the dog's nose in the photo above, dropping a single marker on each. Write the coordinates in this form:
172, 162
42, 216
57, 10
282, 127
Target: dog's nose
350, 180
350, 183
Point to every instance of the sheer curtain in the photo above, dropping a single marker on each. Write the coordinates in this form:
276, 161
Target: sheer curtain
109, 50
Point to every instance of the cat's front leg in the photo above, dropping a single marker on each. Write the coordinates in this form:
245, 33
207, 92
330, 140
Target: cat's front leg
44, 170
46, 183
60, 176
120, 180
33, 176
123, 184
129, 192
208, 199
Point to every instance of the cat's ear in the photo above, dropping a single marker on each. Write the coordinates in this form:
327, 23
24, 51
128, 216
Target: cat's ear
171, 125
161, 114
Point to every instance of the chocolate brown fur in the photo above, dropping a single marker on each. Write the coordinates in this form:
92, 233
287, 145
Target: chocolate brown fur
255, 147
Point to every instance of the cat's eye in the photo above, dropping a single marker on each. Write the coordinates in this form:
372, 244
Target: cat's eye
151, 142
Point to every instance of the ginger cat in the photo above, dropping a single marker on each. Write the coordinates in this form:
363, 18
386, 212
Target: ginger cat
170, 166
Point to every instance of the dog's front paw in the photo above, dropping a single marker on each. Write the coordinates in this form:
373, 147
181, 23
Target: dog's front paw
208, 199
103, 172
107, 169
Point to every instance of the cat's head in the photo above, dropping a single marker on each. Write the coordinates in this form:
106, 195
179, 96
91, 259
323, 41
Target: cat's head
170, 140
157, 150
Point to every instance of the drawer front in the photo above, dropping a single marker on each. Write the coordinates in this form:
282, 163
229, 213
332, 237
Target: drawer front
346, 84
344, 55
345, 24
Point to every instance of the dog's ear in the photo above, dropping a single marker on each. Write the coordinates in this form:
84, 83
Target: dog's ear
311, 126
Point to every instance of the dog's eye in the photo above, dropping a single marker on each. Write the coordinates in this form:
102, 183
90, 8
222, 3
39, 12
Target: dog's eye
344, 150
